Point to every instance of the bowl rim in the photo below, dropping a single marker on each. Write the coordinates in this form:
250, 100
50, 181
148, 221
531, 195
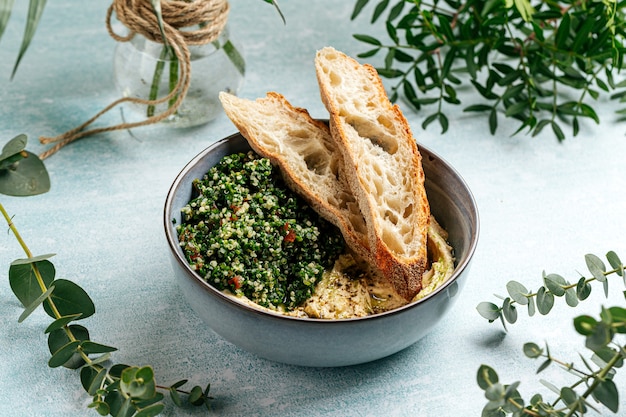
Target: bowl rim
172, 242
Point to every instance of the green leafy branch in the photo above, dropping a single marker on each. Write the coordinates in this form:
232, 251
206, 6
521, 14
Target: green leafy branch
594, 381
554, 285
116, 389
542, 63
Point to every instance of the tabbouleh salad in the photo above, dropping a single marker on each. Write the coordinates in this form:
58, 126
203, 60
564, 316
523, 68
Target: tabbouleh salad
247, 233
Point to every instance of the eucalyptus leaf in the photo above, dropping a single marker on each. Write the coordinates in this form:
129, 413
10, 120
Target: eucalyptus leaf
532, 350
596, 267
26, 177
59, 338
545, 301
24, 281
615, 263
517, 292
555, 283
196, 396
509, 311
61, 322
32, 260
15, 145
35, 304
486, 376
583, 289
97, 381
64, 354
571, 297
151, 410
585, 324
69, 298
606, 393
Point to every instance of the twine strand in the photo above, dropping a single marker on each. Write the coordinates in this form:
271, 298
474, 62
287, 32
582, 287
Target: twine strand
139, 17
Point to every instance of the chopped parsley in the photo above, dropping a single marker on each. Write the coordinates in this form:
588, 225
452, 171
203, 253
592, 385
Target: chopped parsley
246, 232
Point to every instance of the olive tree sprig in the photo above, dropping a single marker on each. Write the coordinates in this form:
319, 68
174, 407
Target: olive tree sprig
541, 62
594, 381
554, 285
119, 390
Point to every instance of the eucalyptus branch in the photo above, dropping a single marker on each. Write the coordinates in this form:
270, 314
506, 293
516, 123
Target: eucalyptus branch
554, 286
599, 335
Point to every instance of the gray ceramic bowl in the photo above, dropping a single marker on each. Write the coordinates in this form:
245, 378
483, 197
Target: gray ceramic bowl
316, 342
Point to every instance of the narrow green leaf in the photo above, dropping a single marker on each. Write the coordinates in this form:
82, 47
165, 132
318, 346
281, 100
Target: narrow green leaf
596, 267
513, 91
90, 347
63, 355
101, 359
34, 259
379, 9
5, 14
540, 125
443, 122
368, 54
544, 365
35, 10
393, 33
429, 120
516, 108
235, 57
358, 7
395, 11
151, 411
477, 108
367, 39
557, 131
493, 121
563, 31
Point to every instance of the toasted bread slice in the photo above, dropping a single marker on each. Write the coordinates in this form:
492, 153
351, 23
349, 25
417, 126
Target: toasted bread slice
307, 156
382, 164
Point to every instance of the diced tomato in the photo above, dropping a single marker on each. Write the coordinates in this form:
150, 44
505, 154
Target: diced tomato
290, 236
236, 281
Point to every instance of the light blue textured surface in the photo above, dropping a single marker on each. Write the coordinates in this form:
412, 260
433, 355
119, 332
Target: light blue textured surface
542, 204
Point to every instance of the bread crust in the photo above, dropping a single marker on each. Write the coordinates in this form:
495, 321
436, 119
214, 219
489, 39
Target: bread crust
307, 156
377, 145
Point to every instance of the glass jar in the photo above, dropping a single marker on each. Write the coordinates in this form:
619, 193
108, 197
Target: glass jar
144, 69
